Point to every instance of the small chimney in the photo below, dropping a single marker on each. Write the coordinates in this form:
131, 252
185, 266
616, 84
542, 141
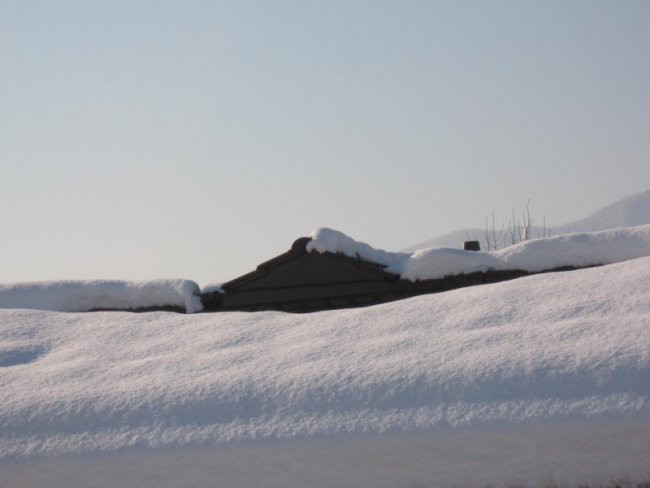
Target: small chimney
472, 246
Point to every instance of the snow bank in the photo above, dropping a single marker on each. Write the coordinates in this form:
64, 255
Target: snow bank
81, 296
578, 250
553, 349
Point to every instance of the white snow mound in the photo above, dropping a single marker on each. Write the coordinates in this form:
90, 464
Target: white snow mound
324, 239
577, 250
82, 296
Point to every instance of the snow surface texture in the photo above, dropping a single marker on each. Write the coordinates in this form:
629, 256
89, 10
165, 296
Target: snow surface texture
578, 250
81, 296
630, 211
568, 455
570, 350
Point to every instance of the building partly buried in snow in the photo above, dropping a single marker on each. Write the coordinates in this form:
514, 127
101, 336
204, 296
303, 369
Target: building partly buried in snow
330, 270
301, 280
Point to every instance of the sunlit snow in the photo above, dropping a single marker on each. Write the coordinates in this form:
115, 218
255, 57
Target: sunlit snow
576, 250
537, 381
563, 352
82, 296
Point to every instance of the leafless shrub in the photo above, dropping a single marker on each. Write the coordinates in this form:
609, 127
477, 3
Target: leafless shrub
493, 238
517, 230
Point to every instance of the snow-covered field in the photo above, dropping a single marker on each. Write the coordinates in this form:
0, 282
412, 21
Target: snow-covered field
541, 380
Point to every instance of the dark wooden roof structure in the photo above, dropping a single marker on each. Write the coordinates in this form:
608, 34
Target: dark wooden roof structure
302, 281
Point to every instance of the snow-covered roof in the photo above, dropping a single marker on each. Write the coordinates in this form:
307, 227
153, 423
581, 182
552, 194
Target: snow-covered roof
81, 296
324, 239
576, 250
572, 250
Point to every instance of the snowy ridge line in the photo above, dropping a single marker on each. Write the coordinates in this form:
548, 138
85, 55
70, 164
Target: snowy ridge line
569, 250
84, 296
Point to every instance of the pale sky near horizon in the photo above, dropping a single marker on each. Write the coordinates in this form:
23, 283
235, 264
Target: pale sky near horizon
197, 139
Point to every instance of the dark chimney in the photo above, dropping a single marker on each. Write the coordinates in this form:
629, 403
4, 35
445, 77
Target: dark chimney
472, 246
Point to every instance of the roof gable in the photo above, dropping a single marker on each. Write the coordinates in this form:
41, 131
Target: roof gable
297, 267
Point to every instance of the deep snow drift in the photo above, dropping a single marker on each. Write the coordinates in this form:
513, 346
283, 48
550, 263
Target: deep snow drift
569, 352
82, 296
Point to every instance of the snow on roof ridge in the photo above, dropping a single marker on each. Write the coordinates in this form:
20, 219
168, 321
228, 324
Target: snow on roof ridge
324, 239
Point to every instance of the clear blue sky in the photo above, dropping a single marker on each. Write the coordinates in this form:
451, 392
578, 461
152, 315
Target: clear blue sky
196, 139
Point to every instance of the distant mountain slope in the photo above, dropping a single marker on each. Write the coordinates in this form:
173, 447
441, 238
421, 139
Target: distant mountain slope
451, 239
630, 211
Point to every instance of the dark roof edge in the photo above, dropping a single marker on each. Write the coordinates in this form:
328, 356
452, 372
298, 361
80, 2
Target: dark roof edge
299, 247
370, 267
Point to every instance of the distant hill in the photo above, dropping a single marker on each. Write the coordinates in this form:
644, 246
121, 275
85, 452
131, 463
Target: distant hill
451, 239
630, 211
